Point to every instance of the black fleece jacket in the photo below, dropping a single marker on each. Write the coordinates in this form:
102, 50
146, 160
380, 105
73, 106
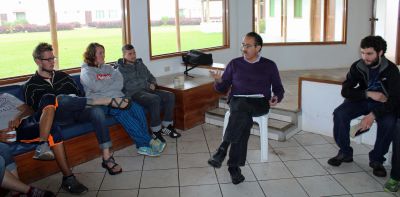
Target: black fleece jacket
37, 86
355, 86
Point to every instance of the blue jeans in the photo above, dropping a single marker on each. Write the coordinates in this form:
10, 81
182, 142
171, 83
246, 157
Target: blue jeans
151, 101
5, 153
134, 122
72, 108
349, 110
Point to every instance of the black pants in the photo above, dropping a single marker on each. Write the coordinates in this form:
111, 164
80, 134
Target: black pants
395, 173
240, 122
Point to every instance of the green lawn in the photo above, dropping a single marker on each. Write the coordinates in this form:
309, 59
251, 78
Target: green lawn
16, 49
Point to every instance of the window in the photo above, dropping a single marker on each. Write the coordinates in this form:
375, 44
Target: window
76, 27
301, 22
181, 25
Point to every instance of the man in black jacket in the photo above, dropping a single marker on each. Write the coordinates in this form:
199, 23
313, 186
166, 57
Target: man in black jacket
371, 88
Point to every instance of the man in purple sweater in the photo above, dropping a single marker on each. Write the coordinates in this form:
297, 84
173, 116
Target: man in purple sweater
250, 79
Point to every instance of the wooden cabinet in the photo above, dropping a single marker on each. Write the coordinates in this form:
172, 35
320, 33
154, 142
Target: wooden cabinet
192, 100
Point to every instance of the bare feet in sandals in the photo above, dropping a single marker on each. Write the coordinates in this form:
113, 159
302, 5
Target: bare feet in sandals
111, 166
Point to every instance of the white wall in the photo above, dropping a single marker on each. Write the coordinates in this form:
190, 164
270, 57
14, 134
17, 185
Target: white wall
240, 22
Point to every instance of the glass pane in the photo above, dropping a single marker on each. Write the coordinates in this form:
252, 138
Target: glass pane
298, 28
23, 25
298, 9
339, 7
201, 24
163, 30
268, 20
92, 21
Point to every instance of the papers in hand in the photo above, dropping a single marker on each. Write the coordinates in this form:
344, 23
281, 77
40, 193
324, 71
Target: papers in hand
356, 131
250, 95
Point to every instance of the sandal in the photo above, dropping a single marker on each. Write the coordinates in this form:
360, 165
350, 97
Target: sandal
118, 105
110, 170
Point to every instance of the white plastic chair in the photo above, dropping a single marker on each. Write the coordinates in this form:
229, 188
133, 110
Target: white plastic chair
262, 122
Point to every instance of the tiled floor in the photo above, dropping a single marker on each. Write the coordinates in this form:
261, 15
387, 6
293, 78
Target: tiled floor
296, 167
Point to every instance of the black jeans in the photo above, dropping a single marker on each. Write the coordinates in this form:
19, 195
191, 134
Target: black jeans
349, 110
152, 102
395, 173
242, 111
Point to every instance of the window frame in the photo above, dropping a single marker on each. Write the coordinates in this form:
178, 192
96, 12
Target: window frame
126, 38
344, 31
226, 33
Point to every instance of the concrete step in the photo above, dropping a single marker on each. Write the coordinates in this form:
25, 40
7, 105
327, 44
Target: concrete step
277, 129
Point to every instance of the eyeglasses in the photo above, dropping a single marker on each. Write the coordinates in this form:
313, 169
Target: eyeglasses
246, 46
50, 59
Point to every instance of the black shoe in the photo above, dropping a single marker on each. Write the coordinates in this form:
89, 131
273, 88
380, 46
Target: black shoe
217, 158
379, 170
338, 159
236, 175
73, 186
158, 135
170, 131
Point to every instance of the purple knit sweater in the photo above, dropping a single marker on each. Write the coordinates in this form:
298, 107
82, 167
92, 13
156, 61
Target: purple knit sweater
246, 78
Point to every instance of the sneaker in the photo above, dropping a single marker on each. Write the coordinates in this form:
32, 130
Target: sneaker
338, 159
144, 150
217, 158
391, 185
43, 152
158, 135
72, 185
157, 145
236, 175
36, 192
378, 169
170, 130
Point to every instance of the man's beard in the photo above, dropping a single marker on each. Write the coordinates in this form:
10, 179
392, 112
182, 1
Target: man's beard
374, 63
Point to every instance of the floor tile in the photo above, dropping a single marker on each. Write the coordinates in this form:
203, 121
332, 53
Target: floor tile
362, 161
282, 188
322, 150
374, 194
119, 193
130, 163
93, 165
159, 178
161, 162
291, 142
254, 143
343, 168
193, 160
193, 134
243, 189
310, 139
321, 186
224, 176
52, 183
292, 153
254, 156
358, 182
125, 180
197, 176
329, 139
170, 149
87, 194
213, 145
272, 170
301, 168
201, 191
163, 192
190, 147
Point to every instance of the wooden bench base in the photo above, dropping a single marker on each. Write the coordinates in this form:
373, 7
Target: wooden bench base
79, 150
